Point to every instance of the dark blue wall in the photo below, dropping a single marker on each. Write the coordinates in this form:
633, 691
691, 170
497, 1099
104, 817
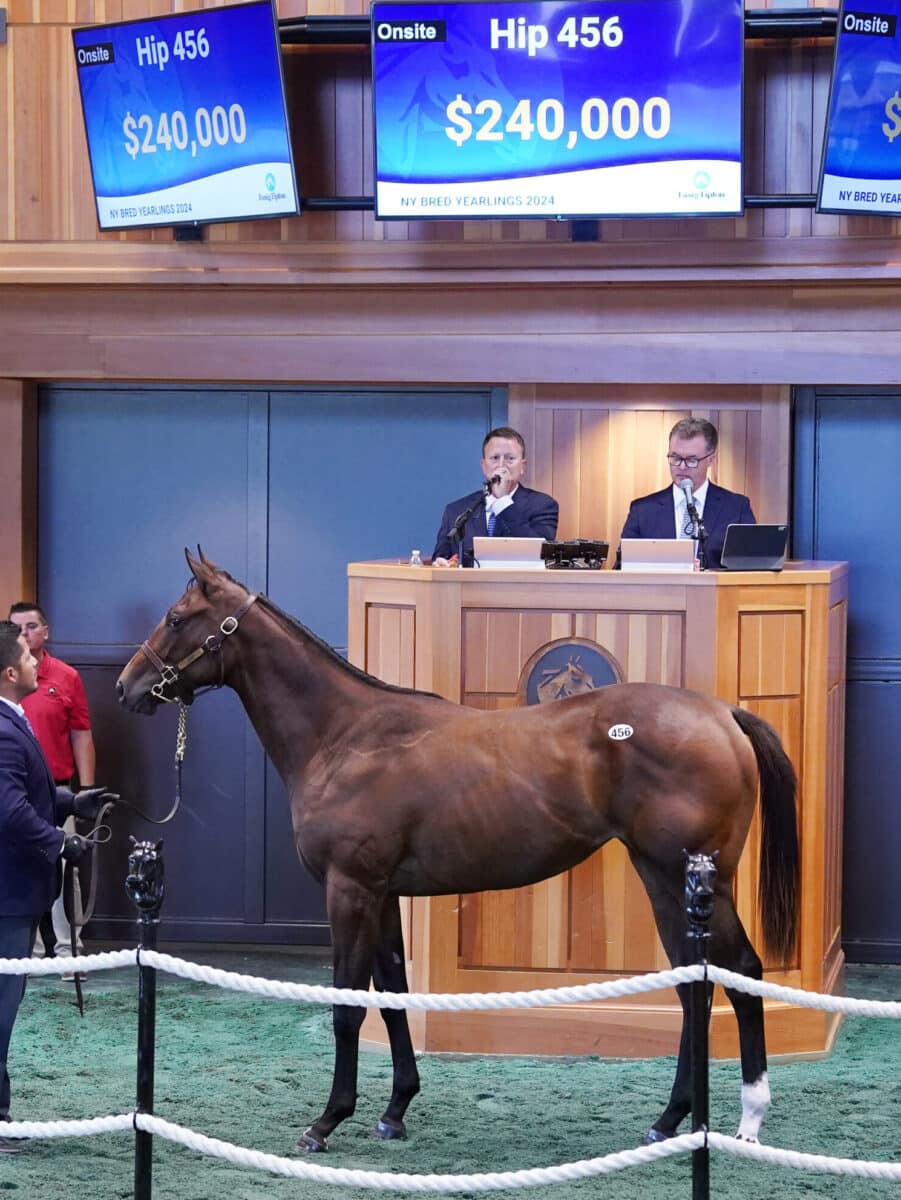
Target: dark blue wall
280, 488
846, 503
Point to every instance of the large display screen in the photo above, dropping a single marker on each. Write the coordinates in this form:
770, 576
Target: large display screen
861, 164
185, 117
557, 109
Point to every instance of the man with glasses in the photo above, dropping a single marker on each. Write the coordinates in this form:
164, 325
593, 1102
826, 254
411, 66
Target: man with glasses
692, 450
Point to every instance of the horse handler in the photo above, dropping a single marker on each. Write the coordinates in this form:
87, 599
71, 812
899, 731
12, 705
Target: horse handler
31, 844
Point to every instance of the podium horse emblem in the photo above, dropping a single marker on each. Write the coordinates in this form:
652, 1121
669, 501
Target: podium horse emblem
396, 792
570, 680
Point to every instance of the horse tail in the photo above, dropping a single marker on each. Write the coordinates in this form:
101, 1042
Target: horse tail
780, 861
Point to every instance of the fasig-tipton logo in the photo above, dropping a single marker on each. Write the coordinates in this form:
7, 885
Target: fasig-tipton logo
873, 24
95, 56
410, 31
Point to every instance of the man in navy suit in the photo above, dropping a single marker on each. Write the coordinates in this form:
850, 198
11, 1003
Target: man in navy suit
31, 844
692, 447
502, 507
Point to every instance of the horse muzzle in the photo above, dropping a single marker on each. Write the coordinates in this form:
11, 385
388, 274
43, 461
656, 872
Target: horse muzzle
145, 703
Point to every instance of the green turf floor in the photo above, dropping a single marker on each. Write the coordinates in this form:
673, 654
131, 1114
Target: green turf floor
255, 1072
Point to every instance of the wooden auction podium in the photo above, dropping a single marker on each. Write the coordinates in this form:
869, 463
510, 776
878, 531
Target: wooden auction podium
771, 642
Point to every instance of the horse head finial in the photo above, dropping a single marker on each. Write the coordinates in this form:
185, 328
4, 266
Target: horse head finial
700, 876
145, 880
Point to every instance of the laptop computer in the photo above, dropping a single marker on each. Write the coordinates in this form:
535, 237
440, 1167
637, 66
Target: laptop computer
755, 547
657, 554
509, 553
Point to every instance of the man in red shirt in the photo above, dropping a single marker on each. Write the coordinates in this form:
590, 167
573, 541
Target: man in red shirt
58, 712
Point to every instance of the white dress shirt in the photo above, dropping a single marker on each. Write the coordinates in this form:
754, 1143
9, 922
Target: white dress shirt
682, 518
497, 504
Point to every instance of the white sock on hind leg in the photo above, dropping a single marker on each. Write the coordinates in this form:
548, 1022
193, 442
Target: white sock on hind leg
755, 1100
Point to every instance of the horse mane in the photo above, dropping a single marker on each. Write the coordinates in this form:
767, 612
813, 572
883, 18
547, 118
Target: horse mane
299, 630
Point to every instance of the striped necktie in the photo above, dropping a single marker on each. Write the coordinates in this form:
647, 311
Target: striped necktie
492, 521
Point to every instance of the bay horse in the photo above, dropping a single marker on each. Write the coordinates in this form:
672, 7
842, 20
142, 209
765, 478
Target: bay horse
396, 792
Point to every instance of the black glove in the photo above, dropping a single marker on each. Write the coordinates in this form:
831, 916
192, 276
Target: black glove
75, 848
86, 804
89, 801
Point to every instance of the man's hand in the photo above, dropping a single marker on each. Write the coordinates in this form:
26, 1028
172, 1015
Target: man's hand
75, 848
86, 804
89, 801
505, 482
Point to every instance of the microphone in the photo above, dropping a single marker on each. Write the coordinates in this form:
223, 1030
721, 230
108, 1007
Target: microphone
685, 485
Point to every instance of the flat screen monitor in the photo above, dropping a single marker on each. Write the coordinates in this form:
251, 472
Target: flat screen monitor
555, 109
658, 554
755, 547
513, 553
861, 161
185, 118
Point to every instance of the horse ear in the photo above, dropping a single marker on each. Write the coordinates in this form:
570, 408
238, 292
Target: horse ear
204, 571
195, 564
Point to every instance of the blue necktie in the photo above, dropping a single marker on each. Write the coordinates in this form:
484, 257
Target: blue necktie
492, 521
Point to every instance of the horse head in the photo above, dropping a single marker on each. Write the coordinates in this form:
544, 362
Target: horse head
569, 680
188, 649
144, 882
700, 886
578, 680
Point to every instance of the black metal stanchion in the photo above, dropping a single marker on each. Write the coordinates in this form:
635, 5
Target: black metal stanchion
700, 873
145, 888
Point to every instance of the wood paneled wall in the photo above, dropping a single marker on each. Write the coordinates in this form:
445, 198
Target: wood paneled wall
48, 197
597, 448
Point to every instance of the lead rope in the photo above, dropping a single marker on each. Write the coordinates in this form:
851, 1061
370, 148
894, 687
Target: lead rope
71, 879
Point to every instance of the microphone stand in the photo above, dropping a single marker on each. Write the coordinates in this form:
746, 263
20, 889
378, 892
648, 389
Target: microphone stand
456, 533
701, 531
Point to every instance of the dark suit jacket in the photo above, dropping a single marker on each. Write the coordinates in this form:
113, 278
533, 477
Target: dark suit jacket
30, 842
654, 516
532, 514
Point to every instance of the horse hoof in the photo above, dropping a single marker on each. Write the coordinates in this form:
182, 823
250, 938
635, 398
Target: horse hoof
388, 1130
656, 1135
312, 1144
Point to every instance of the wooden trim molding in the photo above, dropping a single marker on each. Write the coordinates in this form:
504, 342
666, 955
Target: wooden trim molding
18, 470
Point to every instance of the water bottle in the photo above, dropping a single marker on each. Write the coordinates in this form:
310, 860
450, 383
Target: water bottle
415, 558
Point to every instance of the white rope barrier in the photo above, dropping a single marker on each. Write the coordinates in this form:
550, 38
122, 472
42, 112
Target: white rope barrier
87, 1127
491, 1181
432, 1001
820, 1163
275, 989
802, 999
63, 964
385, 1181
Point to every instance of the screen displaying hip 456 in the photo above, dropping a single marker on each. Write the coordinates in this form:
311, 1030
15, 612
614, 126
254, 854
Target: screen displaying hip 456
861, 168
557, 109
185, 117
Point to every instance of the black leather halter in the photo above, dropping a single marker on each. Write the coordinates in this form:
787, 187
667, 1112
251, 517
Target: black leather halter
212, 645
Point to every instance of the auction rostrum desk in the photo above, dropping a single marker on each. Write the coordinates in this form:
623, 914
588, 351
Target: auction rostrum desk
771, 642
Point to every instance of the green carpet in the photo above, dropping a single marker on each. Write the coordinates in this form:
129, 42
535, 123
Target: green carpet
255, 1072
